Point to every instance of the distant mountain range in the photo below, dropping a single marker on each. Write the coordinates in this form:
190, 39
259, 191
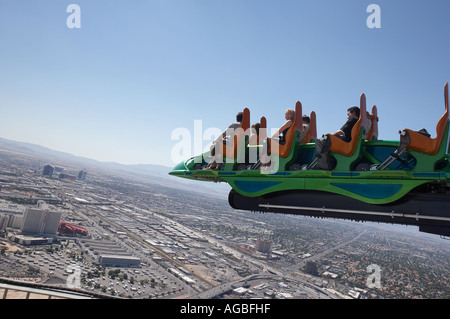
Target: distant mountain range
156, 174
41, 151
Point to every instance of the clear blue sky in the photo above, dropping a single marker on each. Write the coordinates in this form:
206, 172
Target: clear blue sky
115, 89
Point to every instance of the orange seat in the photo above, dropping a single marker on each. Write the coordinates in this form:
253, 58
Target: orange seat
348, 148
373, 132
262, 130
230, 151
312, 133
254, 152
283, 150
424, 144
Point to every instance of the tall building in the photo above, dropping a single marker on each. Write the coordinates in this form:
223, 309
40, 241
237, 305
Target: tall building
48, 170
82, 175
15, 221
263, 245
40, 221
311, 267
3, 222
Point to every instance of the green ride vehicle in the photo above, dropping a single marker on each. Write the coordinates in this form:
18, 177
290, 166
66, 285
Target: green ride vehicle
401, 182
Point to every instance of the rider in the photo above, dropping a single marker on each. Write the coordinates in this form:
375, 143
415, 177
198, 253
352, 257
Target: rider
345, 133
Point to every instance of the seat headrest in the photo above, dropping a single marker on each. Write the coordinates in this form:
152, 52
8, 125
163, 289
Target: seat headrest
446, 96
298, 121
313, 125
263, 129
245, 125
363, 114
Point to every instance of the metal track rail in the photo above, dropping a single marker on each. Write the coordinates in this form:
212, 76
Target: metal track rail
349, 211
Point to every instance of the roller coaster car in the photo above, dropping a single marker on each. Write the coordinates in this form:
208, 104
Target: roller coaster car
404, 182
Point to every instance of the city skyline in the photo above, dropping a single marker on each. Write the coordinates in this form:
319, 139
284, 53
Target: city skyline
116, 88
192, 245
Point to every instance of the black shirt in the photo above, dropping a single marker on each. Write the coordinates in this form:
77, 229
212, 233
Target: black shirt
347, 129
282, 137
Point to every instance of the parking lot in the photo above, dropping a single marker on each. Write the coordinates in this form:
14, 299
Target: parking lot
67, 266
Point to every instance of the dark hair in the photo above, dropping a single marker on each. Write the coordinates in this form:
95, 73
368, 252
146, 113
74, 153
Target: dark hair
354, 109
239, 116
256, 126
306, 119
